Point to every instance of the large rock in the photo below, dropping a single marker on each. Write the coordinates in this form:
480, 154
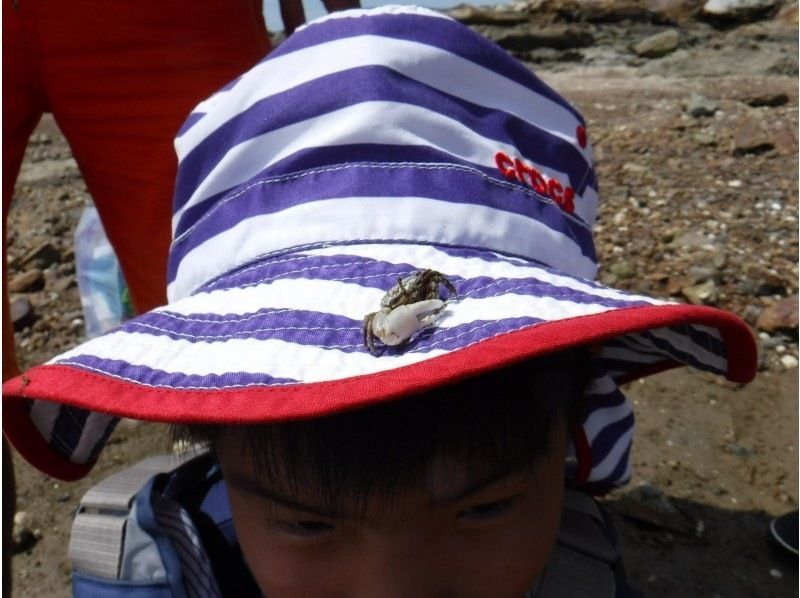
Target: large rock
738, 11
751, 137
782, 316
481, 15
657, 45
531, 37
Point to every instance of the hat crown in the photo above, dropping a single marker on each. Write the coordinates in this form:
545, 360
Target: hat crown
387, 125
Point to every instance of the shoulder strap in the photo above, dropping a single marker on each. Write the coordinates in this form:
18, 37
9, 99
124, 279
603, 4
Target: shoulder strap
98, 530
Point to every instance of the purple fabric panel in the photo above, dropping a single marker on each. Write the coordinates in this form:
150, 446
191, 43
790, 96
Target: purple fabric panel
376, 83
453, 185
154, 377
445, 34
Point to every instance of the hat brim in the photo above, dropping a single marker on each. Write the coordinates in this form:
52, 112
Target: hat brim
281, 339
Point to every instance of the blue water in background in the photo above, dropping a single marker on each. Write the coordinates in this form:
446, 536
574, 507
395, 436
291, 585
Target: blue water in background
314, 8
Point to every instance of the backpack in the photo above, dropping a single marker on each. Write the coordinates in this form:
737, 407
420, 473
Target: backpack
163, 529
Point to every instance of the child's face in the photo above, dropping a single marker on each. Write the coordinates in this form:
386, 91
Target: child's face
466, 533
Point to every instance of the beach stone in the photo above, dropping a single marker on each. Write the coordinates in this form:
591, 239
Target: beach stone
782, 316
789, 361
649, 504
479, 15
531, 37
701, 294
771, 100
22, 313
657, 45
750, 137
32, 280
699, 105
738, 11
42, 256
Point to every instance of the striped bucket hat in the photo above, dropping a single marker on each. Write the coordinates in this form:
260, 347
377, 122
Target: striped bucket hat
387, 203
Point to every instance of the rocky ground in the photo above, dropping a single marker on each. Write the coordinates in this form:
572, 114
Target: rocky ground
693, 115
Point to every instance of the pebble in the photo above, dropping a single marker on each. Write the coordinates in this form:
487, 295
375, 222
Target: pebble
776, 573
30, 281
699, 105
42, 256
789, 361
781, 316
22, 313
657, 45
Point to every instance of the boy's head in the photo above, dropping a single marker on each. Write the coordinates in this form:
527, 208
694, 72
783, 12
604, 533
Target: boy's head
456, 491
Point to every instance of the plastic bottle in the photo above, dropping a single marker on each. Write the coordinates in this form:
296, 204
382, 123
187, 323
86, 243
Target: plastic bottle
104, 295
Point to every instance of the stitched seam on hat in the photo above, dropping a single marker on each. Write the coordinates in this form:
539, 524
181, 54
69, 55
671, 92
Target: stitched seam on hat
393, 166
300, 384
308, 269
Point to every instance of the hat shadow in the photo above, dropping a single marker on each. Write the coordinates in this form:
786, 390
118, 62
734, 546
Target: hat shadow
721, 552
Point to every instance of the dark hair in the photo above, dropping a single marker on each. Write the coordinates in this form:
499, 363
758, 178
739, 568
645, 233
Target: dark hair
502, 419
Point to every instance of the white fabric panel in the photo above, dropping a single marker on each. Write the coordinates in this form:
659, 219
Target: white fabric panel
377, 218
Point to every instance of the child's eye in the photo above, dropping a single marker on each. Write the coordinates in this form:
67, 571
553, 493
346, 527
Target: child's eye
304, 528
488, 510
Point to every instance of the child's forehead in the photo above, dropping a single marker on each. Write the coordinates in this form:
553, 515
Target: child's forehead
446, 483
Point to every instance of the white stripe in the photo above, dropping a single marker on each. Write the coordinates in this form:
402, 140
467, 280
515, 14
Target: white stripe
43, 416
600, 419
602, 385
378, 218
93, 429
390, 123
427, 64
615, 455
426, 256
303, 362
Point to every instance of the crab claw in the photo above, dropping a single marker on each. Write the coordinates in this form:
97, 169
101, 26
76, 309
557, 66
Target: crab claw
398, 325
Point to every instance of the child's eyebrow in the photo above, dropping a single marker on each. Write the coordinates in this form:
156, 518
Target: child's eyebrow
251, 486
475, 486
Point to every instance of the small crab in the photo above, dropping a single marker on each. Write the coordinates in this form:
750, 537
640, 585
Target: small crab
410, 305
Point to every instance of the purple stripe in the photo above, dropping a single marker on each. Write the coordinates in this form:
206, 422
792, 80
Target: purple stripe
383, 275
190, 121
321, 157
67, 429
609, 437
446, 34
699, 338
299, 327
101, 442
377, 83
452, 185
154, 377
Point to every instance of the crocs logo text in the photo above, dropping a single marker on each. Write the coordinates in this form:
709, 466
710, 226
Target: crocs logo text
515, 169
